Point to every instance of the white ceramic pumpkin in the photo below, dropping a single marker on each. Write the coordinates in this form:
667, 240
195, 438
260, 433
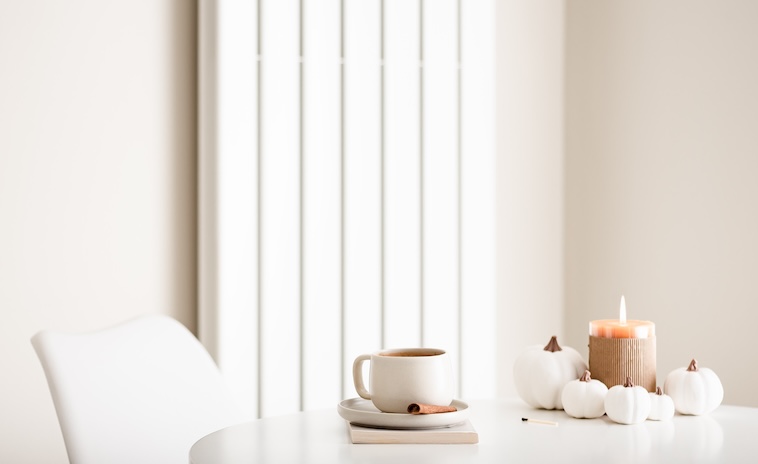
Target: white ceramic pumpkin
627, 404
540, 373
695, 390
584, 398
661, 406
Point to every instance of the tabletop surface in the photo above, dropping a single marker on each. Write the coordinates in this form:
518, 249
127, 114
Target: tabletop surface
727, 434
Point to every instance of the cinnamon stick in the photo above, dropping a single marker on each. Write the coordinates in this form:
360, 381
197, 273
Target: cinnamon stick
420, 408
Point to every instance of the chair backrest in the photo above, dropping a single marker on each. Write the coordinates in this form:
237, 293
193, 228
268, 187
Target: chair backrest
142, 391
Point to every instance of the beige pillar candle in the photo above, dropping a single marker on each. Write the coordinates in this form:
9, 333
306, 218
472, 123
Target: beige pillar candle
621, 348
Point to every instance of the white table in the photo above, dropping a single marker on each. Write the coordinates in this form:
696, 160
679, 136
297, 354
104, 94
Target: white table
728, 434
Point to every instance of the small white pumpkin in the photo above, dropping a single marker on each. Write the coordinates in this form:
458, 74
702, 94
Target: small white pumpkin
541, 373
695, 390
584, 398
661, 406
627, 404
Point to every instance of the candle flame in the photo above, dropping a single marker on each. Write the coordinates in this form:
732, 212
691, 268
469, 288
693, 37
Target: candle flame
622, 311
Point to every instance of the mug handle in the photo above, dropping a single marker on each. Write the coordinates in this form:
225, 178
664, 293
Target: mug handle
358, 376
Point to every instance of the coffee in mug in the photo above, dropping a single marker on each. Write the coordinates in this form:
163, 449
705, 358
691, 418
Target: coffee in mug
401, 377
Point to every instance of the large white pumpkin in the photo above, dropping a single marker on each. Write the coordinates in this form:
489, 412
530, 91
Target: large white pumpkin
695, 390
540, 373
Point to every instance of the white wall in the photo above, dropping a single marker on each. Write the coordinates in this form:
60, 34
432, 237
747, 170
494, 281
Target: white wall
661, 164
97, 168
530, 40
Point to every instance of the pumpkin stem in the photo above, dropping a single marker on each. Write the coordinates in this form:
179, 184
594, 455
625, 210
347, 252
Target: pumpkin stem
658, 391
628, 383
693, 366
585, 377
553, 346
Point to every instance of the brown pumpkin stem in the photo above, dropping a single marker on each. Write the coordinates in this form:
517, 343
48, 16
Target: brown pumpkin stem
693, 366
553, 346
658, 391
585, 377
628, 383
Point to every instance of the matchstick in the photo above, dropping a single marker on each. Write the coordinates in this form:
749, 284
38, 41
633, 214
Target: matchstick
537, 421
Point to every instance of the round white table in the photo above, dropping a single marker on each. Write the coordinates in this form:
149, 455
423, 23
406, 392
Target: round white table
725, 435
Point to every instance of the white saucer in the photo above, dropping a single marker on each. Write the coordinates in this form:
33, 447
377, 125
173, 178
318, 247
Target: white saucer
363, 412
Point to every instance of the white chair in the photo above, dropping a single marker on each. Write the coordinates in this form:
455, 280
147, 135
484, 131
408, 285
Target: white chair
140, 392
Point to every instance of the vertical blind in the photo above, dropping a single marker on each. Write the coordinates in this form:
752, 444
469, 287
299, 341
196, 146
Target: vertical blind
346, 190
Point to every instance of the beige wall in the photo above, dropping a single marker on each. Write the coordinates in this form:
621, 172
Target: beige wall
97, 167
529, 178
661, 165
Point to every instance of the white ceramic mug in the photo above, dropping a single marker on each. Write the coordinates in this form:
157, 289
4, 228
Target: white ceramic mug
401, 377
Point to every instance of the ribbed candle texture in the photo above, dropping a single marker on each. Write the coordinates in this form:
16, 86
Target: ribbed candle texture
612, 360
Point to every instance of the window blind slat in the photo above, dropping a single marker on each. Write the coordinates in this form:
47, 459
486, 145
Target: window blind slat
362, 187
402, 174
228, 220
440, 181
322, 233
280, 208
